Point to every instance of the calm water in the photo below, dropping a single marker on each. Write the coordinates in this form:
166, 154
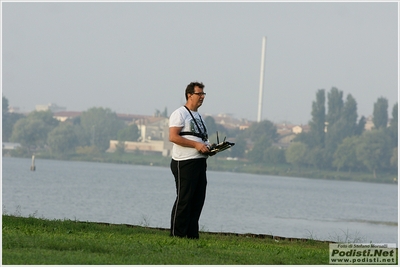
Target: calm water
240, 203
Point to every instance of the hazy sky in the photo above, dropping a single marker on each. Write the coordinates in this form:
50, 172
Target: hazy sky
136, 57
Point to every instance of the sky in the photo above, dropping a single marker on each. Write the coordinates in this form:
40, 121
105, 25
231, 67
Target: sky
138, 57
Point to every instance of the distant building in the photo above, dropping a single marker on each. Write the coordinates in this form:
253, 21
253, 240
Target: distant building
11, 146
153, 128
230, 122
52, 107
297, 129
130, 118
287, 132
287, 128
14, 109
160, 147
154, 137
66, 115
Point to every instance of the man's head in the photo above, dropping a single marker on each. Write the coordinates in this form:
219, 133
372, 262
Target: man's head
190, 89
194, 95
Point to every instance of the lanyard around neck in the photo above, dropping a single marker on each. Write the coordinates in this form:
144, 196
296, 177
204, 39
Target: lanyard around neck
201, 120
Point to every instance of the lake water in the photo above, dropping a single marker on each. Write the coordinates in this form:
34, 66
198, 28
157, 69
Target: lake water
239, 203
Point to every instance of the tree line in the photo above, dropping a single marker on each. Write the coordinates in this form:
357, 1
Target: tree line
89, 133
336, 140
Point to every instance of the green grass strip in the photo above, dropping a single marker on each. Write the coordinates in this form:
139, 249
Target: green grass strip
38, 241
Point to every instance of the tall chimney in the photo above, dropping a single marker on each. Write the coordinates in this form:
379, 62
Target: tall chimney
260, 94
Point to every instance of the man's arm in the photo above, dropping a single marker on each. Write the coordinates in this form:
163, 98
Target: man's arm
174, 137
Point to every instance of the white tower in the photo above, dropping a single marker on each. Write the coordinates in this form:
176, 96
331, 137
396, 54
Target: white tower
260, 94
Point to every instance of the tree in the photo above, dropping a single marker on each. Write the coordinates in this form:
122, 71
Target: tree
100, 126
334, 124
306, 138
260, 146
5, 105
83, 138
345, 155
317, 124
335, 105
274, 155
30, 132
349, 117
380, 113
334, 137
394, 160
211, 125
8, 120
130, 133
342, 126
62, 139
33, 130
296, 154
120, 147
45, 116
374, 151
315, 157
361, 125
262, 130
238, 150
263, 134
393, 128
6, 129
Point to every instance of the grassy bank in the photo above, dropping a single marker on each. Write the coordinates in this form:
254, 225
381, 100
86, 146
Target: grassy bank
37, 241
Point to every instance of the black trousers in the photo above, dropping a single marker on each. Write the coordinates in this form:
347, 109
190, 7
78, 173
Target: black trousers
191, 181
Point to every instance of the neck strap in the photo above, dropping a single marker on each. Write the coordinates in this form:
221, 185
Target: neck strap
201, 120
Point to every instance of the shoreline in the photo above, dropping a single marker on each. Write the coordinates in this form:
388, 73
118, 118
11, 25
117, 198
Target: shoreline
221, 164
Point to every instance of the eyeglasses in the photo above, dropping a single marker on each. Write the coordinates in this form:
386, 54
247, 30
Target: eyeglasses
200, 94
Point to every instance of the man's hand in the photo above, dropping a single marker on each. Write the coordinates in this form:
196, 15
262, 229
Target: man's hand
202, 148
179, 140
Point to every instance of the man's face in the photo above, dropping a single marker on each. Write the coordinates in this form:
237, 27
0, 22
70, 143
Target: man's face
198, 96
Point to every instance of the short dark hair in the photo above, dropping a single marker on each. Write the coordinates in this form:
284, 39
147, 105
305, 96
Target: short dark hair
191, 86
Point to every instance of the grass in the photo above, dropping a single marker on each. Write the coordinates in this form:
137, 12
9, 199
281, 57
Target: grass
38, 241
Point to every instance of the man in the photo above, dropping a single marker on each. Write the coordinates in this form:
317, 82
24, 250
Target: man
188, 133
